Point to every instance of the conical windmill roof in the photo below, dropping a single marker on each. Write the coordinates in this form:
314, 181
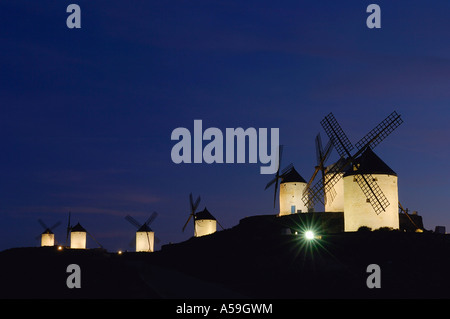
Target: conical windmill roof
78, 228
144, 228
292, 176
204, 214
370, 163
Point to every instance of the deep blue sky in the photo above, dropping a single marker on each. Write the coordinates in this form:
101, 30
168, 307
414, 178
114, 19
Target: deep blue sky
86, 114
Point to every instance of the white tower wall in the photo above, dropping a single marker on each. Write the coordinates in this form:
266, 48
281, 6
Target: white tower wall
291, 194
205, 227
78, 240
358, 212
145, 241
335, 195
47, 240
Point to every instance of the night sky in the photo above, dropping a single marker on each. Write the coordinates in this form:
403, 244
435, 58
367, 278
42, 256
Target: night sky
86, 115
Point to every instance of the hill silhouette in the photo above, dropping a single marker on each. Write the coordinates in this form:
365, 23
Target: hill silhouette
260, 257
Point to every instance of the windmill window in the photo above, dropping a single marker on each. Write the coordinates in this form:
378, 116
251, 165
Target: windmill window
367, 200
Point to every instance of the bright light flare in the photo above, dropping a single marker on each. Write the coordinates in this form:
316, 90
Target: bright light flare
309, 234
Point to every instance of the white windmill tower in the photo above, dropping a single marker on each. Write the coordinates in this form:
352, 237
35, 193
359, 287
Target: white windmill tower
77, 237
374, 195
357, 207
204, 222
145, 237
279, 177
292, 187
47, 236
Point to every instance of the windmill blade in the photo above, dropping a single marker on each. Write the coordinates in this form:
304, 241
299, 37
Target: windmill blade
194, 206
190, 216
197, 202
133, 221
326, 153
278, 175
191, 202
220, 225
337, 135
275, 194
68, 231
270, 183
280, 154
151, 218
55, 225
94, 239
319, 155
43, 224
311, 179
373, 192
380, 132
316, 193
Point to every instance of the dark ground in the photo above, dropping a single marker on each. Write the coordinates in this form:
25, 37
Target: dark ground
251, 260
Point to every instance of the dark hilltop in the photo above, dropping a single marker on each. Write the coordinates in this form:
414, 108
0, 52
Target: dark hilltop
261, 257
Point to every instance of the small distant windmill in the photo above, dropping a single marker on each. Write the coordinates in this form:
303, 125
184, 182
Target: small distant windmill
77, 235
47, 236
204, 222
145, 236
322, 155
278, 175
367, 183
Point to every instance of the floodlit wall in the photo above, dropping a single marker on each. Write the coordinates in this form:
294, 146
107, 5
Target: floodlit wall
47, 240
205, 227
334, 197
358, 212
145, 241
291, 195
78, 240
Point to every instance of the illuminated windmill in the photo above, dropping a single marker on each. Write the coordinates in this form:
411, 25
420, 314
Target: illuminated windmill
204, 222
78, 236
322, 155
145, 237
47, 236
367, 171
292, 187
278, 176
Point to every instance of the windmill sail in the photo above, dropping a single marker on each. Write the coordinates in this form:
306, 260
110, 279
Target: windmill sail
343, 145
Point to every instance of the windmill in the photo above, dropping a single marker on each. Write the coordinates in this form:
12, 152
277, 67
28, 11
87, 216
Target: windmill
278, 176
47, 236
145, 236
322, 155
204, 222
77, 235
367, 183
